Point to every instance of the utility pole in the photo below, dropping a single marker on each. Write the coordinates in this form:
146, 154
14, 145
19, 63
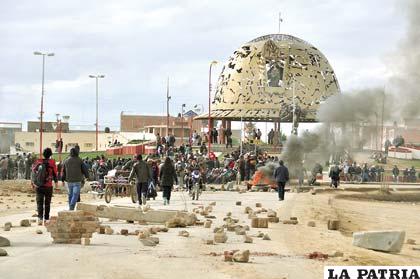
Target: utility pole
182, 123
294, 120
209, 118
167, 107
382, 119
280, 21
97, 77
41, 123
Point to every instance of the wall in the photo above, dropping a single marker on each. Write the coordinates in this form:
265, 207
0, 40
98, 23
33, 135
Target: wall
134, 123
29, 141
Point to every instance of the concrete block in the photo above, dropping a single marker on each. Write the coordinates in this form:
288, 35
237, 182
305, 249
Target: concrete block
85, 241
4, 242
184, 233
7, 226
241, 256
247, 239
220, 237
266, 237
207, 224
259, 222
386, 241
311, 224
3, 253
290, 222
333, 225
271, 213
132, 214
25, 223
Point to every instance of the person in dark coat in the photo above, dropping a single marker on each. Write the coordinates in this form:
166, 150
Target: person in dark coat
167, 178
143, 174
74, 171
44, 192
281, 175
335, 176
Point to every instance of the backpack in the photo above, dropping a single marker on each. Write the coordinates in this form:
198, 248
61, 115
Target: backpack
40, 174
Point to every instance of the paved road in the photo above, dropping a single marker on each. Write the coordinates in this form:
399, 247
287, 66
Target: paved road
115, 256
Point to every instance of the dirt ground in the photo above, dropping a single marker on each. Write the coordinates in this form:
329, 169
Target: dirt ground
284, 256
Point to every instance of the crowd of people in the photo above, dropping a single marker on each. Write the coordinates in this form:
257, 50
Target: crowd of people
171, 165
355, 173
19, 168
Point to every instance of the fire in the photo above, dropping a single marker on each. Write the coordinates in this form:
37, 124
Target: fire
261, 179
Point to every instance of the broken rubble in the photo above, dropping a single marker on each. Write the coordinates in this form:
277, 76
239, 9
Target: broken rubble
273, 219
259, 222
39, 231
130, 213
124, 232
7, 226
241, 256
109, 231
260, 234
220, 237
3, 253
240, 231
386, 241
148, 242
4, 242
290, 222
144, 234
266, 237
336, 254
209, 241
411, 241
248, 210
248, 239
271, 213
85, 241
70, 226
311, 224
25, 223
333, 225
252, 215
184, 233
207, 224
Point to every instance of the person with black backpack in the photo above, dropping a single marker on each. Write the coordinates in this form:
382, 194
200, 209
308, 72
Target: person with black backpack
44, 172
73, 171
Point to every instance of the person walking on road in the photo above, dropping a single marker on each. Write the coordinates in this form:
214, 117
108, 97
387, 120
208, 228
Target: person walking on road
167, 178
281, 175
43, 185
73, 171
143, 174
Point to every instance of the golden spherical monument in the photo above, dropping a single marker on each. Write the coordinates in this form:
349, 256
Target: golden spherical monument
272, 78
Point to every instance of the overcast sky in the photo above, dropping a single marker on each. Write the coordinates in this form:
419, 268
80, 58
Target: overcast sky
137, 44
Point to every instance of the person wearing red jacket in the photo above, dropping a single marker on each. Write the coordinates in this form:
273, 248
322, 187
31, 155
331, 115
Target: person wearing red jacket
44, 193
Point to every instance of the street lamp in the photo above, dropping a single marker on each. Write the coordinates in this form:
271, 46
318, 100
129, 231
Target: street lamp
97, 77
168, 98
209, 124
182, 123
41, 123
